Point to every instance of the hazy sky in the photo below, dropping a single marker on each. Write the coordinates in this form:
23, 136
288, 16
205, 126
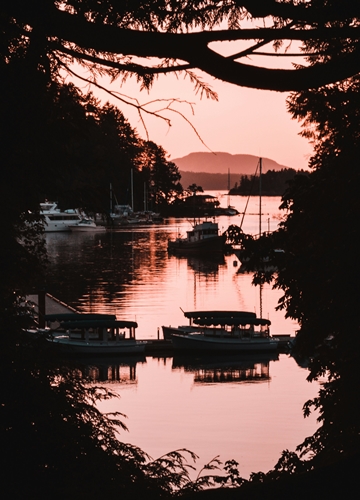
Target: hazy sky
241, 121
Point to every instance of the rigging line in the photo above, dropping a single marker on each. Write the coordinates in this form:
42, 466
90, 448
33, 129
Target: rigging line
251, 188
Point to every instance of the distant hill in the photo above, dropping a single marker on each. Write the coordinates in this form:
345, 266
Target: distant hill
219, 163
210, 170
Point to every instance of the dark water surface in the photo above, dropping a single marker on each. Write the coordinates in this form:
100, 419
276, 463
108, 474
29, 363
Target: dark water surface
246, 408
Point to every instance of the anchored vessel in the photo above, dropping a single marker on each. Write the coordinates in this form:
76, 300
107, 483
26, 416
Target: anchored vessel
204, 237
55, 220
223, 331
93, 334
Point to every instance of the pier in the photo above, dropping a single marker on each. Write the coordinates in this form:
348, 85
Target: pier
45, 303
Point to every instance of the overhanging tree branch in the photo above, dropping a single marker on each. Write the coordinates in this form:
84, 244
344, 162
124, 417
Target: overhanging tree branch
191, 50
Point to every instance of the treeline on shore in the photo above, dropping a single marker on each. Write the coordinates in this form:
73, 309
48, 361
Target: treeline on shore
273, 182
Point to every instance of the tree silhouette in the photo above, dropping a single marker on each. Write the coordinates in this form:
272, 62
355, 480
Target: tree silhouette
111, 36
47, 127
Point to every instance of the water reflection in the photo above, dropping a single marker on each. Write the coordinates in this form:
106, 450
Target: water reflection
204, 264
128, 272
178, 402
110, 369
221, 369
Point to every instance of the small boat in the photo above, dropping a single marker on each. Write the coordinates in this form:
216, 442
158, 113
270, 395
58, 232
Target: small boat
93, 334
86, 225
56, 220
204, 237
218, 331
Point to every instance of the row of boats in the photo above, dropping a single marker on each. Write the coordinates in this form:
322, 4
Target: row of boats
56, 220
207, 331
204, 237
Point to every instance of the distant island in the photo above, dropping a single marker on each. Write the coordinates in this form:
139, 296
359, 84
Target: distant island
273, 183
220, 163
219, 170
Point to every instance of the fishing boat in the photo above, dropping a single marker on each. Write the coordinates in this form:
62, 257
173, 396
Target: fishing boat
220, 331
204, 237
92, 334
86, 225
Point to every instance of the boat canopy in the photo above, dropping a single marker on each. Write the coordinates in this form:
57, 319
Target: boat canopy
219, 314
222, 318
99, 323
78, 317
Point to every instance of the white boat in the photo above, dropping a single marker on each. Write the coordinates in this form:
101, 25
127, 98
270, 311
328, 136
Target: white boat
86, 225
93, 334
218, 331
55, 219
204, 237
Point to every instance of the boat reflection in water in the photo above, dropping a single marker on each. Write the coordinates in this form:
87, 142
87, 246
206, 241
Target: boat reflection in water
110, 369
251, 367
203, 265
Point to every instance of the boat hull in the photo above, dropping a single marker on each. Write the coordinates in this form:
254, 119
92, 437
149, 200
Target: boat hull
206, 245
168, 331
84, 229
201, 342
70, 346
60, 225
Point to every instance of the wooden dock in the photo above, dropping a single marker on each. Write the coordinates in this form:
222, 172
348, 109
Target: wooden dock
154, 347
51, 305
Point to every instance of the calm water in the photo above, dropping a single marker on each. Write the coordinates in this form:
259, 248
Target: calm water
248, 409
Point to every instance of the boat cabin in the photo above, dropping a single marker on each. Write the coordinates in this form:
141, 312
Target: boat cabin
53, 321
229, 323
104, 330
206, 229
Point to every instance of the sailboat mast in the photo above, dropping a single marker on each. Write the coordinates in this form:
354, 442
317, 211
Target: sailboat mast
111, 209
132, 189
228, 187
260, 172
260, 210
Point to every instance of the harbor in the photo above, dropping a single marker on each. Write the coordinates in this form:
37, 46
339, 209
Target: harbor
166, 396
52, 313
166, 162
128, 273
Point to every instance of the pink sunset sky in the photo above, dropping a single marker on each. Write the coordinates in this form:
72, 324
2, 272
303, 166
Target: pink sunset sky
243, 120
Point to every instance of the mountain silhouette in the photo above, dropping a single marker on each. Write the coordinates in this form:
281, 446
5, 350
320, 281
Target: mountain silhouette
210, 170
220, 163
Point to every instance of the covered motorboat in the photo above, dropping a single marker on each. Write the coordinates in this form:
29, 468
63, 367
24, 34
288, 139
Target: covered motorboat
217, 331
95, 334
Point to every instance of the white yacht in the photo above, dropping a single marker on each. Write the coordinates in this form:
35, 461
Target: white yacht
55, 219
